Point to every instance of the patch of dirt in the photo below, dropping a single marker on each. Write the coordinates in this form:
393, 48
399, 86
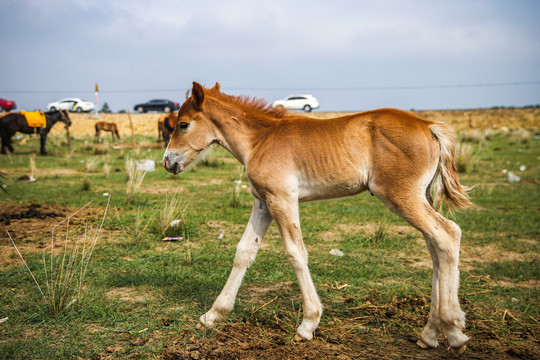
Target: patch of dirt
55, 172
129, 294
162, 191
258, 294
379, 333
33, 234
489, 253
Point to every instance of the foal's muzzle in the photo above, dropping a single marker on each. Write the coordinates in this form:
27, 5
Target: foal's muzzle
173, 162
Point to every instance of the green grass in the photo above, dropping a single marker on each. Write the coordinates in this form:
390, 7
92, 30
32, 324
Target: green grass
133, 283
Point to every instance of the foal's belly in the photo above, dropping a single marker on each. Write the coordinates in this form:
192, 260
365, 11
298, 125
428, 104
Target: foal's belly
329, 187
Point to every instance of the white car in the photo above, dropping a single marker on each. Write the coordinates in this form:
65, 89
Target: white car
71, 104
298, 102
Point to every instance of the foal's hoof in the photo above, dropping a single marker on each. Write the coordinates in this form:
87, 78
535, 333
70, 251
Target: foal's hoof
298, 338
423, 345
460, 350
303, 336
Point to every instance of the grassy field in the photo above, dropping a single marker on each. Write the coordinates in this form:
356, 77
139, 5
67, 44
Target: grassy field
142, 296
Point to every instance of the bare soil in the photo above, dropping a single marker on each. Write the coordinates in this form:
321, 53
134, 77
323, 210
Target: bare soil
33, 234
378, 334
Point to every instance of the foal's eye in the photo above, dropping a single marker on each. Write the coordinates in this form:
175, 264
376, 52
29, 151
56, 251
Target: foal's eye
183, 125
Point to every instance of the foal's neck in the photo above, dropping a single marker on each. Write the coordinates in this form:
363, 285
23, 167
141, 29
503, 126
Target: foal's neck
239, 130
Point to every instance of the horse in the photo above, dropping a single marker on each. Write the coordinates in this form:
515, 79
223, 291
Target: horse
407, 162
106, 126
166, 124
13, 122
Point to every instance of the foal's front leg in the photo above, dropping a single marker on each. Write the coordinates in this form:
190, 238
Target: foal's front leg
285, 213
246, 251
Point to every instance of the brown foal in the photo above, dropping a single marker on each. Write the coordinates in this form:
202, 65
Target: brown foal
405, 161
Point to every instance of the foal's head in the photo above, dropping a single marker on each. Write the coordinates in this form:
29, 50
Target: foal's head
193, 132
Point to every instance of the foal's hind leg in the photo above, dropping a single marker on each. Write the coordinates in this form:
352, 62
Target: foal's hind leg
443, 239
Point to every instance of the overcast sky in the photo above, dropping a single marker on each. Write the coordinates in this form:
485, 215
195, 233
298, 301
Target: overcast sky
351, 54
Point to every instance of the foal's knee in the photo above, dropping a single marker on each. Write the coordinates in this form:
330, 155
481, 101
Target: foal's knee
297, 256
245, 254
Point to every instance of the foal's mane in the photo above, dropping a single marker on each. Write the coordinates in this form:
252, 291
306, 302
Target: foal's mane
250, 104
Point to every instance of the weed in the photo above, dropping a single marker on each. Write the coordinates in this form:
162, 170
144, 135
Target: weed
212, 160
130, 167
474, 136
86, 185
67, 159
464, 157
175, 209
92, 164
237, 190
101, 149
138, 230
381, 234
106, 168
134, 185
32, 164
520, 136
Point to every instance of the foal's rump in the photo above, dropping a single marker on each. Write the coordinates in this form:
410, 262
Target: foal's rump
414, 156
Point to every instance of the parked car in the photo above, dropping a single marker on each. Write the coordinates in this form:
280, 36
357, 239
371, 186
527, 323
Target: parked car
298, 102
7, 105
71, 104
162, 105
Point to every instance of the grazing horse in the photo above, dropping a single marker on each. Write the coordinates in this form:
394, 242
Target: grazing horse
13, 122
106, 126
400, 158
166, 125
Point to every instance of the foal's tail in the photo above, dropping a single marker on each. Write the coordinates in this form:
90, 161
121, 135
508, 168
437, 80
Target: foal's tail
445, 184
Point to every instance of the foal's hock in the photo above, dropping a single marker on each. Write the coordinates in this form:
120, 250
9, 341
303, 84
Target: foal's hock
405, 161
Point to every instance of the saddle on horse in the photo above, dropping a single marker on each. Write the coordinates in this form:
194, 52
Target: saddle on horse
35, 119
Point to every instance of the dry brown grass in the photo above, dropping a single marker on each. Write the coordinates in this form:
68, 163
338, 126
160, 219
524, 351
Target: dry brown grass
146, 124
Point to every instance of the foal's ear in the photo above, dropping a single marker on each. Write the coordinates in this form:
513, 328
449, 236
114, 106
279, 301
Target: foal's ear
198, 94
217, 87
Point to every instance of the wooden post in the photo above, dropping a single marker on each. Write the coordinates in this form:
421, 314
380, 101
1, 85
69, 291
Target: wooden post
68, 139
132, 131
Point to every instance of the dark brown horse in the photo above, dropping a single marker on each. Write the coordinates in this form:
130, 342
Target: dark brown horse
166, 125
106, 126
11, 123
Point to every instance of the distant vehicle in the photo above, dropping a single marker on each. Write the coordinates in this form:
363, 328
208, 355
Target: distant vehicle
7, 105
298, 102
162, 105
71, 104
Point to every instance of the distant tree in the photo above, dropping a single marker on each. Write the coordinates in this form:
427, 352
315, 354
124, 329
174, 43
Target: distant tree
122, 111
105, 109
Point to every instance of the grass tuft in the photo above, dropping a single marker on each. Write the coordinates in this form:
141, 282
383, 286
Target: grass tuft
92, 164
64, 274
520, 136
175, 209
134, 179
464, 157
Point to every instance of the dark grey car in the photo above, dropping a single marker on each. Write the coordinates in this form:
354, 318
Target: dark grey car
162, 105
